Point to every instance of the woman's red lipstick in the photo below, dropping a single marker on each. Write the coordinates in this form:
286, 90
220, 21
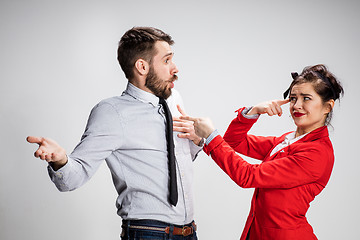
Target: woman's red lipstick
297, 114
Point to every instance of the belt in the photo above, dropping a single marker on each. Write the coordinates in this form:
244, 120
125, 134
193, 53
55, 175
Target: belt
182, 231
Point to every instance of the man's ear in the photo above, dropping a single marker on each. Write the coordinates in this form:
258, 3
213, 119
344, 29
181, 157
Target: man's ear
142, 66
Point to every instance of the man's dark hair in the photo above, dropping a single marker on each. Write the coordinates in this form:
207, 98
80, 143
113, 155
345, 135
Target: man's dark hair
137, 43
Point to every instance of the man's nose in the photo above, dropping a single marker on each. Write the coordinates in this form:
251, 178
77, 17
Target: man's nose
174, 69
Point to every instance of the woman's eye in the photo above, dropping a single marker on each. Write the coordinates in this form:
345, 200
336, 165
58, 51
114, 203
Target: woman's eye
292, 99
306, 98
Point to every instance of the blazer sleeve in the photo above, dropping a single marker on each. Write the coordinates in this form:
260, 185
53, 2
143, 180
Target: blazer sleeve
307, 163
249, 145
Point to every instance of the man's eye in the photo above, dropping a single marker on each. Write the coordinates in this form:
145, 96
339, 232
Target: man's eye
307, 98
292, 99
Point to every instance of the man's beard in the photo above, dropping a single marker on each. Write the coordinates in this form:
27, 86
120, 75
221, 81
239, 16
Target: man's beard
159, 87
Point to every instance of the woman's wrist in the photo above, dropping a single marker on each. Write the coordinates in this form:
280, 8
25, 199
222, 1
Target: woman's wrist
252, 111
211, 136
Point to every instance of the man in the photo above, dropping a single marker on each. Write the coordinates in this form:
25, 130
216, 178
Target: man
129, 133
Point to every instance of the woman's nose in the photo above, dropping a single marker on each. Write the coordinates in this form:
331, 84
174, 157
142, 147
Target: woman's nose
297, 104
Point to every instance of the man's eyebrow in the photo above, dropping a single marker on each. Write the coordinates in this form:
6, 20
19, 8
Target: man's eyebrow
168, 54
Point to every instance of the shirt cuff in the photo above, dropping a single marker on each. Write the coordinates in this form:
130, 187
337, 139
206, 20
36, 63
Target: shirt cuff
246, 110
195, 149
211, 136
61, 176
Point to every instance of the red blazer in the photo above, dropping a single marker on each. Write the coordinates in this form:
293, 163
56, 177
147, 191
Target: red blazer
285, 183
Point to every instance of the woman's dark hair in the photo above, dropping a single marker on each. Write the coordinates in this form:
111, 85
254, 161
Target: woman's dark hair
324, 82
136, 43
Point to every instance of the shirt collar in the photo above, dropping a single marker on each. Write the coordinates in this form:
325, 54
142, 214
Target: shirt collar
290, 138
141, 95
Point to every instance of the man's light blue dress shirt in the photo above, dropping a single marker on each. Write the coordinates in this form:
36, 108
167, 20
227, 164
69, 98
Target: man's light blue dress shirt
128, 132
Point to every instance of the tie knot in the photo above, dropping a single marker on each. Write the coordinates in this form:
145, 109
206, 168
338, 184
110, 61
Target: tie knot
162, 101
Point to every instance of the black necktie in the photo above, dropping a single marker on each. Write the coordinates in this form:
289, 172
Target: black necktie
173, 197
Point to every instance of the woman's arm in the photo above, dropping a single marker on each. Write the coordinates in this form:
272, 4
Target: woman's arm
237, 133
249, 145
305, 164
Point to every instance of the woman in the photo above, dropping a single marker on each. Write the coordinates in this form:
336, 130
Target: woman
296, 166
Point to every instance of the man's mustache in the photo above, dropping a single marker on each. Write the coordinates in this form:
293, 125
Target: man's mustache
174, 78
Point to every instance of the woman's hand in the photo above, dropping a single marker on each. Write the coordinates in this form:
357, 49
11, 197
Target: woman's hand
203, 126
272, 107
185, 127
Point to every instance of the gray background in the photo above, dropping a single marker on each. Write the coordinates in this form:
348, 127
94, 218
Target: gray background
58, 59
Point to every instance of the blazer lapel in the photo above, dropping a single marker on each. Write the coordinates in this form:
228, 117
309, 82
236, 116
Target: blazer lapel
320, 132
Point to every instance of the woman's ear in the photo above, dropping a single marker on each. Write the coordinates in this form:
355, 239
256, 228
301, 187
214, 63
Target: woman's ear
142, 66
330, 105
